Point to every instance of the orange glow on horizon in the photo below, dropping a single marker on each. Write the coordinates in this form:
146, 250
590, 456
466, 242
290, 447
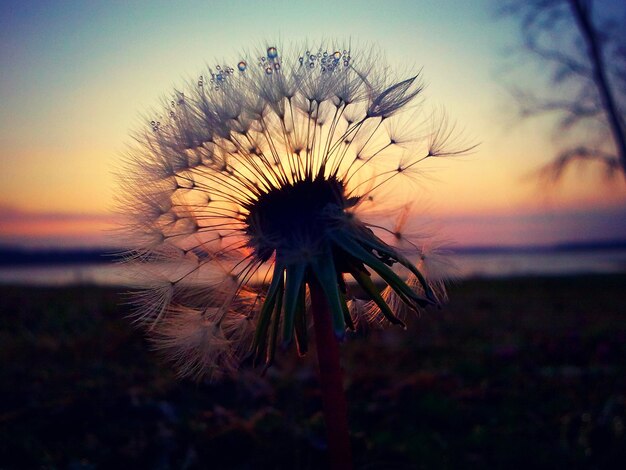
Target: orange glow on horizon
63, 132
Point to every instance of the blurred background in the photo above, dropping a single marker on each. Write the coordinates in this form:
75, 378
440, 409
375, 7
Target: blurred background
524, 367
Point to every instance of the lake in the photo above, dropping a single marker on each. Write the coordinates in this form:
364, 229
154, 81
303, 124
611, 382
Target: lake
466, 265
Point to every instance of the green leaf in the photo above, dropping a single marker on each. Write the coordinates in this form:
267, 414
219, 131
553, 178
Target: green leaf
275, 322
295, 279
357, 251
260, 336
300, 323
373, 242
368, 286
347, 318
324, 270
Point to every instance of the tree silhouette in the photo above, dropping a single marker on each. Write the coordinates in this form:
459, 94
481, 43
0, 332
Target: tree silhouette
582, 45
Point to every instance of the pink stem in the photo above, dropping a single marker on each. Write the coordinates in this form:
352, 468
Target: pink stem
333, 396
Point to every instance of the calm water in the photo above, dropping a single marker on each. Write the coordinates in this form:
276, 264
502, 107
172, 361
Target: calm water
466, 266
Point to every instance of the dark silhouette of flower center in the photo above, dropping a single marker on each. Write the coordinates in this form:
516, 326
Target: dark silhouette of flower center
294, 215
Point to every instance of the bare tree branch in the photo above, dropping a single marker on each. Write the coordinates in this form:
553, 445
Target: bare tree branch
585, 54
553, 171
582, 14
573, 109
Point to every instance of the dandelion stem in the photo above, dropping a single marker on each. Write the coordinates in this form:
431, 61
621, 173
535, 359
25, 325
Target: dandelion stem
333, 396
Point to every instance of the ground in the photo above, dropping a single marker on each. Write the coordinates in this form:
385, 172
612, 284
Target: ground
512, 373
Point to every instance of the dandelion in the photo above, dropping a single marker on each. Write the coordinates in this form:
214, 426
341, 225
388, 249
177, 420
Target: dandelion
252, 198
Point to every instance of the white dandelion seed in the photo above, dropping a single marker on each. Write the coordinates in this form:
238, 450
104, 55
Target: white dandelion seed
263, 174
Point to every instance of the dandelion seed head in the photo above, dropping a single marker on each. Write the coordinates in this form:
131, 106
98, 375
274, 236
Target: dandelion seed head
257, 181
197, 346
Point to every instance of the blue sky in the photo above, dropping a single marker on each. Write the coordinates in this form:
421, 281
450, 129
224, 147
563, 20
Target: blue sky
78, 76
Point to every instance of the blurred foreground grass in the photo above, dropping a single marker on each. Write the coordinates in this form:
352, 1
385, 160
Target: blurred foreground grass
510, 374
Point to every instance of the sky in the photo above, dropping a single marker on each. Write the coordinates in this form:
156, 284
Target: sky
77, 77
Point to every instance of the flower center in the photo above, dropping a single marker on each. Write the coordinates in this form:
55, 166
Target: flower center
294, 215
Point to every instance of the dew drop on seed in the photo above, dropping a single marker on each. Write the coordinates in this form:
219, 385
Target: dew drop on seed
242, 66
272, 53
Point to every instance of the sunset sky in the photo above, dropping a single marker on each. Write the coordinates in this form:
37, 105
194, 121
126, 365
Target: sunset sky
76, 77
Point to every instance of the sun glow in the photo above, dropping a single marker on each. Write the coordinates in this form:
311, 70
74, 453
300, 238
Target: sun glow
280, 167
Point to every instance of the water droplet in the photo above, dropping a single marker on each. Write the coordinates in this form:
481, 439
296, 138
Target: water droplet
268, 70
300, 59
153, 123
262, 59
325, 54
242, 66
172, 114
217, 67
312, 57
173, 103
277, 66
272, 53
337, 55
311, 65
346, 63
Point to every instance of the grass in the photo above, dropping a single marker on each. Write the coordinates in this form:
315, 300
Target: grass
511, 373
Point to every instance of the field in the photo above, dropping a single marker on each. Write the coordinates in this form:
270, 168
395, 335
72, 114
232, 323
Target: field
513, 373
